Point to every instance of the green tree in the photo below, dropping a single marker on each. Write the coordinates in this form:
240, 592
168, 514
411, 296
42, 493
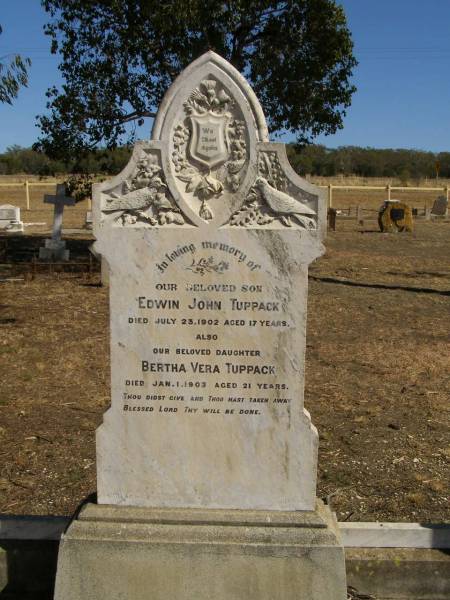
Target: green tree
119, 57
13, 75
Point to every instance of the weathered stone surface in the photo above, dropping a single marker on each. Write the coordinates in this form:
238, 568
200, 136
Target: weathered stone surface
395, 216
10, 219
400, 573
440, 207
185, 558
208, 234
55, 248
206, 459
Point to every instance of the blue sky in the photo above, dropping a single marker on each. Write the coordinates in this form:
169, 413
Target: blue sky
403, 97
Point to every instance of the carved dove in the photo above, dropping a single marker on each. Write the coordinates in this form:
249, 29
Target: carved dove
135, 200
280, 202
284, 205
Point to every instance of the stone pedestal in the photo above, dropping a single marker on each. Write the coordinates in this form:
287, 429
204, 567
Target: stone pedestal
10, 219
11, 226
126, 553
54, 250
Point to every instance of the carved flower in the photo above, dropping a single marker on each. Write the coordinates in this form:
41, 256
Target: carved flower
210, 86
169, 217
223, 97
181, 135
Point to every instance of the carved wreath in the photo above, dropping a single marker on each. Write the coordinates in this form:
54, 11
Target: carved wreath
207, 98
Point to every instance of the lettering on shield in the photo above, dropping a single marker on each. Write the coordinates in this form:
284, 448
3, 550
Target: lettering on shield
209, 142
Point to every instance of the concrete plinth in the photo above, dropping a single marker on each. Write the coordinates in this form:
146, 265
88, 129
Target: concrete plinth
54, 250
11, 226
124, 553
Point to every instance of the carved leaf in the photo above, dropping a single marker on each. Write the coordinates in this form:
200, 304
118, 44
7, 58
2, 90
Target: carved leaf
194, 182
142, 216
178, 219
214, 184
245, 216
264, 219
235, 166
186, 174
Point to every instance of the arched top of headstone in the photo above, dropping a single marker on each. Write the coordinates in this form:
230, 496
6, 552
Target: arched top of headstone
209, 164
212, 64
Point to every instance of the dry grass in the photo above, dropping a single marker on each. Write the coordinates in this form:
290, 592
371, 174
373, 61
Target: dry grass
377, 379
74, 217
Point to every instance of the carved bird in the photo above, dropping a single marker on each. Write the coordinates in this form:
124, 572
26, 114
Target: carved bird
285, 206
137, 199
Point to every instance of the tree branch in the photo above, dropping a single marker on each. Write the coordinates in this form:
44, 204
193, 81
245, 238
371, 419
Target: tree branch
136, 115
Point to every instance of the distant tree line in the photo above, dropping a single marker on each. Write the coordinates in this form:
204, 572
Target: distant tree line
369, 162
26, 160
310, 160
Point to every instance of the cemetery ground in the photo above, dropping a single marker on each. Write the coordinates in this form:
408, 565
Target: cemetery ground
377, 378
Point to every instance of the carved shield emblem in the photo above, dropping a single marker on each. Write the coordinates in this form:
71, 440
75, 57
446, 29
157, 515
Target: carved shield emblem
209, 140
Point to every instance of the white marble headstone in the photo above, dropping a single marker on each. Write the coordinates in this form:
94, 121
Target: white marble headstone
10, 218
208, 234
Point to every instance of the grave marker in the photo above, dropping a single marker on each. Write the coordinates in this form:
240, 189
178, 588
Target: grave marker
395, 216
206, 459
10, 219
440, 207
55, 248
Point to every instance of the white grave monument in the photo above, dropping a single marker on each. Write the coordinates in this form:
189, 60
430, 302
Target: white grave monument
55, 248
10, 219
206, 459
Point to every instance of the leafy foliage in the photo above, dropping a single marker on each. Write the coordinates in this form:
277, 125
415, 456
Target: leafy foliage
99, 161
13, 75
119, 57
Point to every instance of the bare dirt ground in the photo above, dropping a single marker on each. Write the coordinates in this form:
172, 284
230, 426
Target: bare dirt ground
377, 380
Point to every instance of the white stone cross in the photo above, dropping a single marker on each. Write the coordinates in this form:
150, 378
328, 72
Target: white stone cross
60, 200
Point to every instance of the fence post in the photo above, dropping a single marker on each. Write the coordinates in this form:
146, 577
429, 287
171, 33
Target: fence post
27, 194
388, 189
330, 195
359, 213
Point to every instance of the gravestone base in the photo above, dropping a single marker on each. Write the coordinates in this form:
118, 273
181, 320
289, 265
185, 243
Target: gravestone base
184, 554
11, 226
54, 250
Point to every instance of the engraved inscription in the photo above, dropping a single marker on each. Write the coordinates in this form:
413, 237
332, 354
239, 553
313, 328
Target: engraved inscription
211, 360
208, 143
